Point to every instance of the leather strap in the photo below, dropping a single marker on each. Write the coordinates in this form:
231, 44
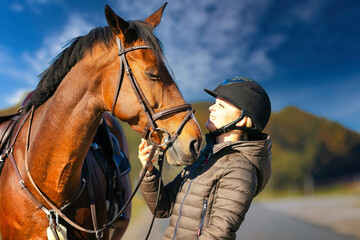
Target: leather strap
92, 198
182, 124
124, 64
12, 142
173, 110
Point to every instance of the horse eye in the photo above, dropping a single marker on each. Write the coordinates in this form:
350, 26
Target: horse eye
153, 77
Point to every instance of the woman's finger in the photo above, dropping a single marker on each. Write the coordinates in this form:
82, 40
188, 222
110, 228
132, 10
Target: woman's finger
142, 144
146, 149
144, 154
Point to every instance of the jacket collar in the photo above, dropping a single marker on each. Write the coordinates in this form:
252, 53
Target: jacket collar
260, 141
213, 147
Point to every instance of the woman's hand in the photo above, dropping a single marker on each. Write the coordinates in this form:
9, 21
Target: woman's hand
144, 151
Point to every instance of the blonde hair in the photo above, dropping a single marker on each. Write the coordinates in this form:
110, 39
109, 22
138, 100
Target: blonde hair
244, 134
249, 123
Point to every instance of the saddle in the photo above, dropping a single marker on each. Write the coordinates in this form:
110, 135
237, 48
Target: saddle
7, 124
114, 163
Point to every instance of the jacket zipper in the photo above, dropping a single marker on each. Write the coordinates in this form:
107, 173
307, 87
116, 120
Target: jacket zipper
180, 211
202, 217
208, 157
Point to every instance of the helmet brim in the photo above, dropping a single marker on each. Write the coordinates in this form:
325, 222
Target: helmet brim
211, 93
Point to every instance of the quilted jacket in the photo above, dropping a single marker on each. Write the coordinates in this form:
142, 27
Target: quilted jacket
209, 199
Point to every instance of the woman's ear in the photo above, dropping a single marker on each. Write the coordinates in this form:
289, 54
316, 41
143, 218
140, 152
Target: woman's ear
242, 122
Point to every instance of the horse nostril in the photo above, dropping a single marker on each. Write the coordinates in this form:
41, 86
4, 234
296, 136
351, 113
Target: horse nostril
194, 147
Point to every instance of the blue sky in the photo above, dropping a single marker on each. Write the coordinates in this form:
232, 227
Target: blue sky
304, 53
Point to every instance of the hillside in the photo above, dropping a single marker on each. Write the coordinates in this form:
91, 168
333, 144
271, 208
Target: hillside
9, 110
305, 148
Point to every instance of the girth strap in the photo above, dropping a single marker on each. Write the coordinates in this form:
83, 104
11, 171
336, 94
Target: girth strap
92, 201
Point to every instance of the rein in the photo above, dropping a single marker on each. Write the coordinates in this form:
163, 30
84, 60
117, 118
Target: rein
149, 129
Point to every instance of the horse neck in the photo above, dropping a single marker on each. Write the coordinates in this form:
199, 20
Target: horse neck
64, 127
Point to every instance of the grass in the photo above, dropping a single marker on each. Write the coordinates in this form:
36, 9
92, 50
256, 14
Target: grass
138, 204
335, 189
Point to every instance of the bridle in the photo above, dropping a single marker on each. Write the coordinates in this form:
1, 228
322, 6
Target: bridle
152, 117
150, 128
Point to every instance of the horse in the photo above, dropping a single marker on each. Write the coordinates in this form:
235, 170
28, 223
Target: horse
120, 69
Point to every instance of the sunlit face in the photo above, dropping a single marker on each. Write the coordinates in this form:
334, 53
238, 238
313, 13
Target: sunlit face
221, 113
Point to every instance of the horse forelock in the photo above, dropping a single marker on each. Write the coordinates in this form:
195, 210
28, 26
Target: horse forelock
141, 30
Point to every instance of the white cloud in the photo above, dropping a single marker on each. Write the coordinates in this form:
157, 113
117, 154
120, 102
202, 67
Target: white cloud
306, 11
32, 2
52, 45
10, 68
26, 77
15, 97
37, 61
206, 41
136, 10
3, 56
16, 7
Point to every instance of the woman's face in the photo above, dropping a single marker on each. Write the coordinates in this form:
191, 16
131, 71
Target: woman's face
221, 113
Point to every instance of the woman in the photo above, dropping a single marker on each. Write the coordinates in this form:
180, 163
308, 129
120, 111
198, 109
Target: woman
209, 199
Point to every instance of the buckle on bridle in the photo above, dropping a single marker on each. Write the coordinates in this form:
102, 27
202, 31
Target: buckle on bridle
99, 234
6, 153
166, 138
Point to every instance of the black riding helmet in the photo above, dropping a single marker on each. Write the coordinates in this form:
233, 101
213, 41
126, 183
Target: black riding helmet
248, 96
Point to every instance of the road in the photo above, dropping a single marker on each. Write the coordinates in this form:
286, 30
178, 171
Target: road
263, 221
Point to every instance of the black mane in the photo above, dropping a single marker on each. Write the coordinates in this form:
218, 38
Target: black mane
75, 50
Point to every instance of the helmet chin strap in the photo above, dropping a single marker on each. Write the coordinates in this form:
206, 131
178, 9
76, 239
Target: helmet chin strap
232, 126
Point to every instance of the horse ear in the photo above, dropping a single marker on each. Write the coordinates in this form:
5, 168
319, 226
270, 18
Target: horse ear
116, 23
155, 18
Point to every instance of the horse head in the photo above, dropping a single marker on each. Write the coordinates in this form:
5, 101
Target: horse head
142, 76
